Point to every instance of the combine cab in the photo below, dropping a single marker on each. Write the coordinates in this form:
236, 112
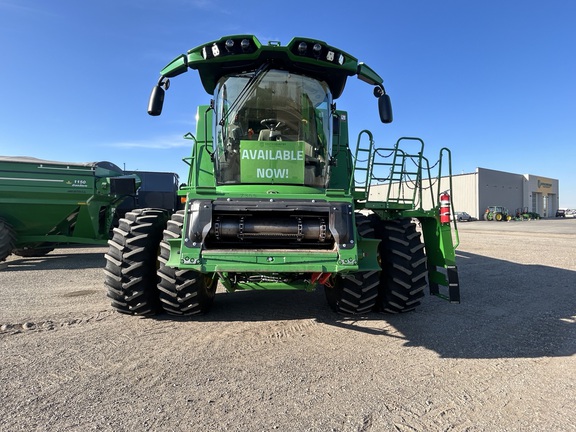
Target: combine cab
276, 199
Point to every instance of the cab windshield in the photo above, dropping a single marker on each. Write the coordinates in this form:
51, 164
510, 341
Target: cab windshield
272, 127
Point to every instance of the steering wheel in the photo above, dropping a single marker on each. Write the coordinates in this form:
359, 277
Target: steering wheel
272, 124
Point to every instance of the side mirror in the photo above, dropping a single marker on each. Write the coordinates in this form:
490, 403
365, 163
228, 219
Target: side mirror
385, 109
156, 101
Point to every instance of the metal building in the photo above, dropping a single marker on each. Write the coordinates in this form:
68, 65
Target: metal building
476, 191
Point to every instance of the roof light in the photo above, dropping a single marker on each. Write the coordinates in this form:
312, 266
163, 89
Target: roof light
330, 56
215, 50
317, 48
245, 44
341, 60
302, 47
229, 45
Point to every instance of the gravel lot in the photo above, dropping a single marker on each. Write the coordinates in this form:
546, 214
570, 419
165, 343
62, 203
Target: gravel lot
503, 360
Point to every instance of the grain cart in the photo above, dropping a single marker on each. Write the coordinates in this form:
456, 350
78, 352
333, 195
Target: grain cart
276, 199
44, 203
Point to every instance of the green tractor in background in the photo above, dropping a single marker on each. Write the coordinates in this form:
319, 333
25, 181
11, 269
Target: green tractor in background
497, 213
275, 198
522, 214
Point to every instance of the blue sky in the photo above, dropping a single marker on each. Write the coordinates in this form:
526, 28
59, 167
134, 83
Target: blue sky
494, 81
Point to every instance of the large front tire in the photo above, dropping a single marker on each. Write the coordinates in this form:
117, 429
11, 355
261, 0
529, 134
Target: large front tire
403, 261
182, 292
354, 293
131, 262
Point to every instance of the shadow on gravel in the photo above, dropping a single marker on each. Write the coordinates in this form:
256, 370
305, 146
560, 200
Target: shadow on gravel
508, 310
254, 306
56, 261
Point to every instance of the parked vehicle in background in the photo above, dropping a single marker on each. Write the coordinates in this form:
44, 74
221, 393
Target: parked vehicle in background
570, 213
46, 203
560, 213
523, 214
463, 217
497, 213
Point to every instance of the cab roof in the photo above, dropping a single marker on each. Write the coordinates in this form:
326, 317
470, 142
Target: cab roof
231, 55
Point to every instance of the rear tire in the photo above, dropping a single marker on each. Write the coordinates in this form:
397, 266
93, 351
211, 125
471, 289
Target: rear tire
403, 261
182, 292
131, 262
7, 240
355, 293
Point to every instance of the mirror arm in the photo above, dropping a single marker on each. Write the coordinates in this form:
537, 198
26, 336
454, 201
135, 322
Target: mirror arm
379, 91
163, 82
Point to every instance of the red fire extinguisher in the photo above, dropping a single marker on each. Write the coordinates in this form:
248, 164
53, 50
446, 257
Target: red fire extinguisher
444, 207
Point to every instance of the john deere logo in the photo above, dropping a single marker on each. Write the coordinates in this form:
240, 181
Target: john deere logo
544, 185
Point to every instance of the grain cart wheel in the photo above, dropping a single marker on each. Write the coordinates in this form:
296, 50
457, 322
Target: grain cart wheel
131, 262
7, 238
499, 217
182, 292
354, 293
403, 261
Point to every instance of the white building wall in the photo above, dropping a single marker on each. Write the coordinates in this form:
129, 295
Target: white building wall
464, 193
498, 188
474, 192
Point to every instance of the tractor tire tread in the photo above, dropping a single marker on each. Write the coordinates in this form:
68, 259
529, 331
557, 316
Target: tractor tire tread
130, 270
182, 292
355, 293
403, 277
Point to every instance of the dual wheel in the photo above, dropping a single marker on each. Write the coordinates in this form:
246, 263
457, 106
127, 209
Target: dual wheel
139, 282
136, 276
398, 286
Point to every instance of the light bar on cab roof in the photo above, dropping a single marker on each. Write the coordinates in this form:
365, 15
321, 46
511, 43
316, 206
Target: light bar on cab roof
242, 45
240, 53
300, 47
319, 51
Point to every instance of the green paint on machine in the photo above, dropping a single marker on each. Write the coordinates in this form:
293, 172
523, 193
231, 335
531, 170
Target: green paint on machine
277, 199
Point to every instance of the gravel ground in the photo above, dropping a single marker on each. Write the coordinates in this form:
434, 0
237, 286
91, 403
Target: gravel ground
502, 360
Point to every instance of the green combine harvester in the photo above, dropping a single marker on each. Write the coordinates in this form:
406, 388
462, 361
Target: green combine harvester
47, 203
277, 200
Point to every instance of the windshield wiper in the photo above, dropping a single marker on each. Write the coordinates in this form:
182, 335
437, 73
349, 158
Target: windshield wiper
246, 91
